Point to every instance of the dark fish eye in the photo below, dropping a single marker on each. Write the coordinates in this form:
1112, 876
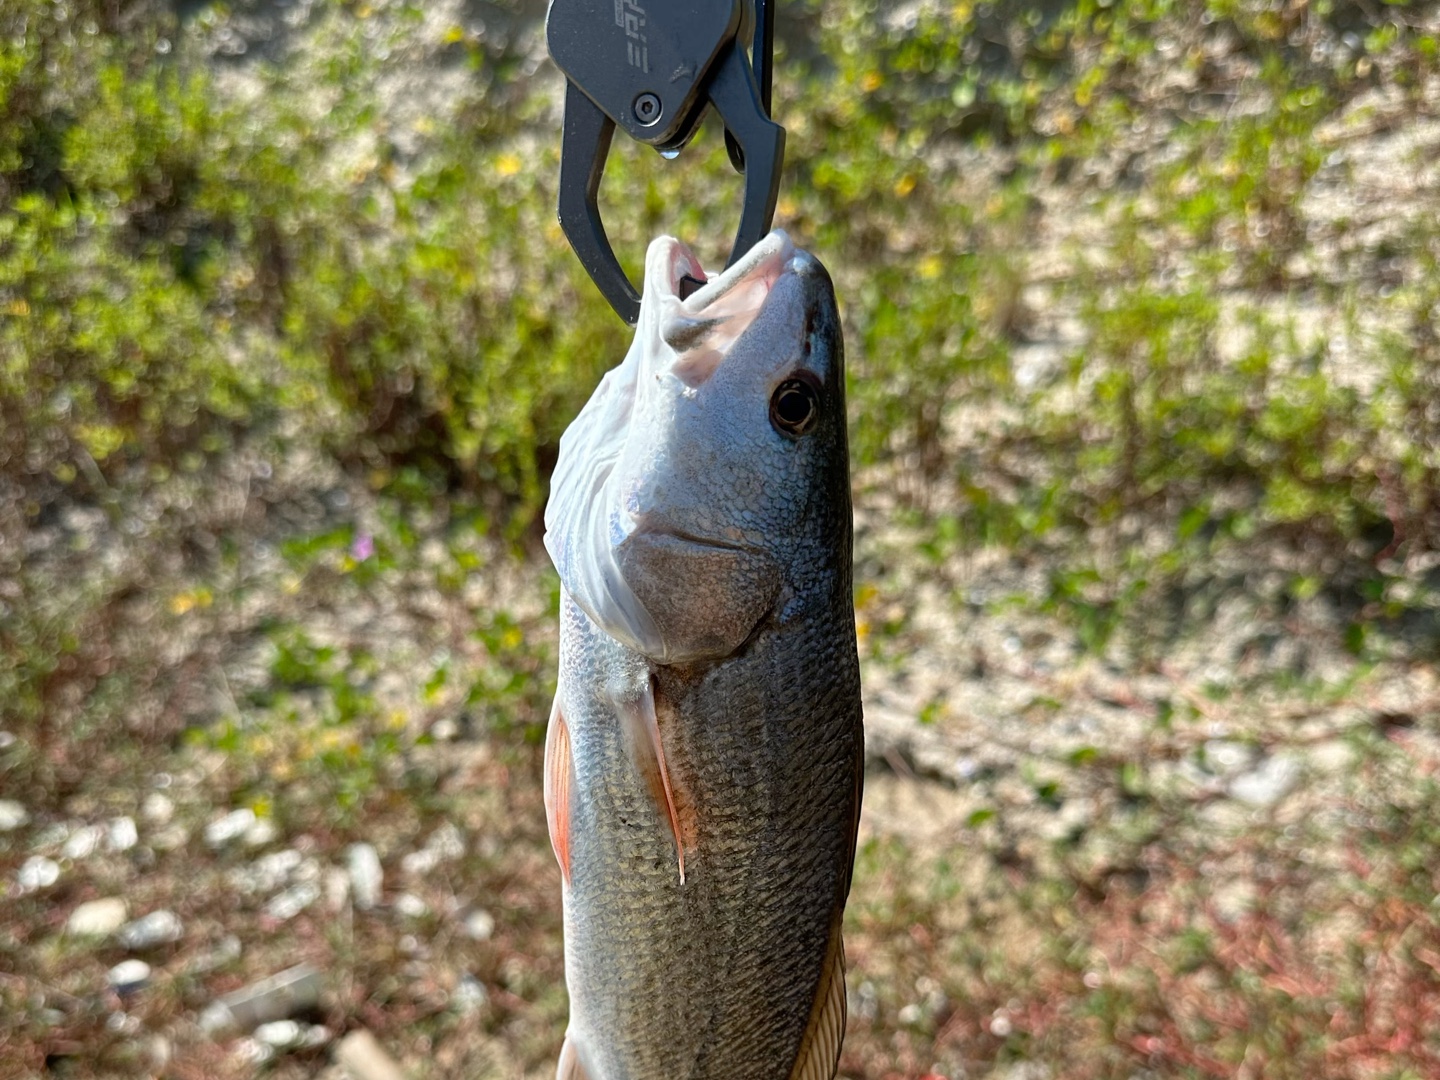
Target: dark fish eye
795, 406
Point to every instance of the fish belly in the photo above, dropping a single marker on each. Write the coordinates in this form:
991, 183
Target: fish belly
715, 977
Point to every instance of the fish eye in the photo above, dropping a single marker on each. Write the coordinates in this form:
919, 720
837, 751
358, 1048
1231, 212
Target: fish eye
795, 406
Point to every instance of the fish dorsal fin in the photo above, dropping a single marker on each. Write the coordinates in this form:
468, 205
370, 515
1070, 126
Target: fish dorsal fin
559, 769
820, 1049
647, 751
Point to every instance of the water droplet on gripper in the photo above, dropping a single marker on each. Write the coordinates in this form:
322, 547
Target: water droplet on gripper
669, 155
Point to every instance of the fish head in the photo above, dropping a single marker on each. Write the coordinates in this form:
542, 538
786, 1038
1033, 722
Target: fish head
704, 489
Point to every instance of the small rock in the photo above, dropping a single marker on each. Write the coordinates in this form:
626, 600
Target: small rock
226, 952
12, 815
150, 931
447, 842
1000, 1025
267, 873
910, 1014
367, 877
315, 1035
122, 1023
1268, 783
1233, 900
83, 842
293, 900
253, 1051
420, 862
37, 872
231, 827
51, 836
170, 838
158, 808
480, 925
129, 975
279, 1034
161, 1051
215, 1020
864, 1002
1226, 757
289, 993
410, 905
336, 883
470, 994
7, 740
263, 832
122, 834
362, 1058
1332, 756
97, 918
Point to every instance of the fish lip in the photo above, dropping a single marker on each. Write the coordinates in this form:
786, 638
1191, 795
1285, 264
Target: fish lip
770, 259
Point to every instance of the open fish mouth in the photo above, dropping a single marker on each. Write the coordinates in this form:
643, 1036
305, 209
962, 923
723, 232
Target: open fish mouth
698, 314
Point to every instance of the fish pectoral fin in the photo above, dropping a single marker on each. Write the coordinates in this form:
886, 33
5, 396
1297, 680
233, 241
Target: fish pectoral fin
647, 751
820, 1048
559, 771
569, 1067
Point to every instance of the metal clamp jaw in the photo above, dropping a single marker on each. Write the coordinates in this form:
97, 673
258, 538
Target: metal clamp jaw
652, 67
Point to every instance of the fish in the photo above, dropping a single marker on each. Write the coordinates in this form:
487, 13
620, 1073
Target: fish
705, 752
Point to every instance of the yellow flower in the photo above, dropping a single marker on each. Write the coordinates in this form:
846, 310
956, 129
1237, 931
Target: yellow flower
508, 164
188, 601
872, 81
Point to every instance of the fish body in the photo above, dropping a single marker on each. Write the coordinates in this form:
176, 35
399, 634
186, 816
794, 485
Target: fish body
705, 752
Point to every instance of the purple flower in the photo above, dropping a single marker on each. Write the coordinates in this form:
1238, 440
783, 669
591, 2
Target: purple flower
362, 547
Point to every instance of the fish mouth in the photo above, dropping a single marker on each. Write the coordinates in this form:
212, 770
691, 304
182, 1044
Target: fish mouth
752, 276
700, 317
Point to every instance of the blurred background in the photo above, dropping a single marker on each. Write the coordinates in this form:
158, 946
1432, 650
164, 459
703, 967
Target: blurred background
1141, 310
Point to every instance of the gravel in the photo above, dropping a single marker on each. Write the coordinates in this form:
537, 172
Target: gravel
151, 931
229, 828
129, 975
12, 815
37, 872
367, 877
97, 918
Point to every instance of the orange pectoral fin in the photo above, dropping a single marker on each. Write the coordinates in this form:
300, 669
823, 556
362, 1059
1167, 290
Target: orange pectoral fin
569, 1066
647, 751
559, 770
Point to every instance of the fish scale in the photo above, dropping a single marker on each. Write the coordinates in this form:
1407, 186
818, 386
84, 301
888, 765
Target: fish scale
705, 755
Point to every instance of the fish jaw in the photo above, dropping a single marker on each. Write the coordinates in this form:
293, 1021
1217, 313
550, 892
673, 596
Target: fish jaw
675, 503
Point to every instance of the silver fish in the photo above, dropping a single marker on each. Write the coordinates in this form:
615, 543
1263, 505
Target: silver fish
705, 751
